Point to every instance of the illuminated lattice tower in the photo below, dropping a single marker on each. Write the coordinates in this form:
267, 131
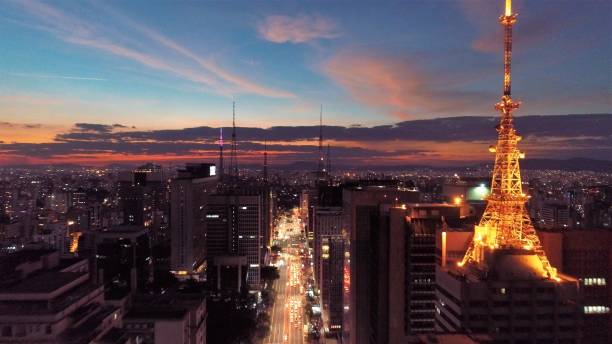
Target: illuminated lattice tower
505, 223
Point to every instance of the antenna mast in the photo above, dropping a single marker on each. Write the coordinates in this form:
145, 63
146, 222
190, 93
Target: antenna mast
265, 167
221, 168
233, 156
321, 166
328, 160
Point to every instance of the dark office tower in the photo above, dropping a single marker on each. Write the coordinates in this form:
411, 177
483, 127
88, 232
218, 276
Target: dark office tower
312, 201
366, 321
142, 195
329, 263
234, 229
331, 282
188, 226
123, 258
554, 215
131, 199
412, 232
326, 219
586, 255
327, 222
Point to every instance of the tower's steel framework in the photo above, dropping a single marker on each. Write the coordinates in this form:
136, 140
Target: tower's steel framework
505, 222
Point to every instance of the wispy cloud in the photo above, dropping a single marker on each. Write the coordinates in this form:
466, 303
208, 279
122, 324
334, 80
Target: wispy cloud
299, 29
78, 31
207, 64
51, 76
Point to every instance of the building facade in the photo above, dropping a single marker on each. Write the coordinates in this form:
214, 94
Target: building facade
189, 192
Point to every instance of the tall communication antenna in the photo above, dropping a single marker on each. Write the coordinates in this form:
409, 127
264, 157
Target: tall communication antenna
505, 223
221, 167
265, 166
328, 158
321, 169
233, 156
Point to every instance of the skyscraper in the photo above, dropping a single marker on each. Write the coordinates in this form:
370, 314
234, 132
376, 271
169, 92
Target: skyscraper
188, 200
234, 229
329, 263
367, 319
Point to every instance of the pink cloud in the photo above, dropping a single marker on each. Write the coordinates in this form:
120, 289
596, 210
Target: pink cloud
400, 87
300, 29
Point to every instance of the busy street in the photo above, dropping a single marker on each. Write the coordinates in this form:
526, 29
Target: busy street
288, 324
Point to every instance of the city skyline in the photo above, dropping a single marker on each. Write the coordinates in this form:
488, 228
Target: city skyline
345, 187
117, 77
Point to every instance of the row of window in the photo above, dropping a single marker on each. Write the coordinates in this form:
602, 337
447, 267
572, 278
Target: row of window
594, 281
596, 309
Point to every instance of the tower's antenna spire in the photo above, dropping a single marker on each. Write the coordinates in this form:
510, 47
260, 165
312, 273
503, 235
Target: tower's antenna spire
233, 157
328, 158
321, 166
221, 168
265, 167
507, 20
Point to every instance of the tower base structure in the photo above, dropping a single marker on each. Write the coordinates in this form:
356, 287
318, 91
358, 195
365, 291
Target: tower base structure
507, 299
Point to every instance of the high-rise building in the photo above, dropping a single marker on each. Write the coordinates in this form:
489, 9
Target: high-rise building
366, 320
329, 262
331, 281
174, 317
123, 257
505, 286
554, 215
131, 201
586, 255
189, 191
143, 199
234, 224
412, 265
45, 299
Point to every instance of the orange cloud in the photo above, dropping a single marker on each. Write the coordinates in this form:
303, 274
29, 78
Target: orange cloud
300, 29
28, 132
399, 86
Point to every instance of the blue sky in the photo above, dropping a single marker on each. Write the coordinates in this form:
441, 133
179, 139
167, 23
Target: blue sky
171, 65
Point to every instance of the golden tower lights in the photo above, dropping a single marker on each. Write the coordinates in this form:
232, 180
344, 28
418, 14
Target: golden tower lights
505, 223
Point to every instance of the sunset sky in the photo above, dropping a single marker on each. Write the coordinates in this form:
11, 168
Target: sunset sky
139, 68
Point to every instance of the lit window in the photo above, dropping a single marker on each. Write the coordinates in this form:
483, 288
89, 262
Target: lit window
596, 309
594, 281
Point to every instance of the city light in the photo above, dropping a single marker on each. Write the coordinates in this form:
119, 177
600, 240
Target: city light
407, 214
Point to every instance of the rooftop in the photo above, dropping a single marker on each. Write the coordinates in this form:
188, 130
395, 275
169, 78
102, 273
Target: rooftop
506, 264
10, 261
122, 230
45, 282
156, 312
